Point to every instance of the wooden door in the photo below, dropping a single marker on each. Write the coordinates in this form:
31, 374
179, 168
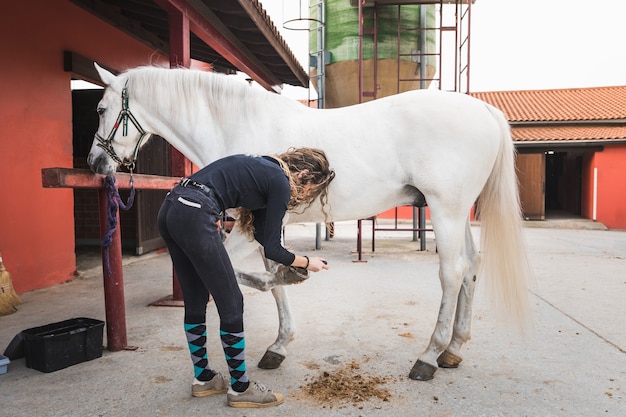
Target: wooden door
531, 172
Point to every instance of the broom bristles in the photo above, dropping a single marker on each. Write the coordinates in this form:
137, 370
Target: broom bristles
7, 290
8, 297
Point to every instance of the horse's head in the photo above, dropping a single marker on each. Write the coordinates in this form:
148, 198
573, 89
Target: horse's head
119, 135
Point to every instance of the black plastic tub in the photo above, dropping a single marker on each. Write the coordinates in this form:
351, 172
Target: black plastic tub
59, 345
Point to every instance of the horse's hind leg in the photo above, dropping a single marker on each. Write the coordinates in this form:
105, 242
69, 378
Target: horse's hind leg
451, 357
453, 267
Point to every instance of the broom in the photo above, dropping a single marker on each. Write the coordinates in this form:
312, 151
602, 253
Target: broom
8, 296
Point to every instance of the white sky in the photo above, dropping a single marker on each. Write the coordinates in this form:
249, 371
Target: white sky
523, 44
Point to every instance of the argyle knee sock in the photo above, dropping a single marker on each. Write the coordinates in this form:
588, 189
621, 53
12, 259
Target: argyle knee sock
196, 340
234, 350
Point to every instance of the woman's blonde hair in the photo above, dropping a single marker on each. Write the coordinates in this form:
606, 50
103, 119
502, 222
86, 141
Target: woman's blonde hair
303, 167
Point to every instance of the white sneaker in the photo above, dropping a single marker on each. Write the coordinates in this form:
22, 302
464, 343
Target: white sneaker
256, 396
218, 385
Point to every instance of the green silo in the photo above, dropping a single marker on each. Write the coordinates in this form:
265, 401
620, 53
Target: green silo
398, 43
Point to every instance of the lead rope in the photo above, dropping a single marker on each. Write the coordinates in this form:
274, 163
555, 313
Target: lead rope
113, 202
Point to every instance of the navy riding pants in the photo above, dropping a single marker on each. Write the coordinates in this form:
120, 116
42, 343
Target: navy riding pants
187, 221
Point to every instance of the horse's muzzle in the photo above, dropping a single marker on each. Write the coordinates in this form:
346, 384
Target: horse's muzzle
100, 164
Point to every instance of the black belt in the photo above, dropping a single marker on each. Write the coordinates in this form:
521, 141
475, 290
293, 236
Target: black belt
188, 183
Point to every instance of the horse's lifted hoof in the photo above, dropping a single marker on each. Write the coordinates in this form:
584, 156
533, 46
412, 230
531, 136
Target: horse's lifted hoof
287, 275
448, 360
271, 360
422, 371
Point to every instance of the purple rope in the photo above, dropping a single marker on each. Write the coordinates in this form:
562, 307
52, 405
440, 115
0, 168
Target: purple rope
114, 201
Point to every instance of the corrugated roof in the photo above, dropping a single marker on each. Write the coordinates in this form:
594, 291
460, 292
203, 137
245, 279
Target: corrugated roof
243, 21
574, 114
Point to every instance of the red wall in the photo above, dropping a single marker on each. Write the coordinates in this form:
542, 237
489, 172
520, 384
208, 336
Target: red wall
36, 224
611, 187
611, 209
404, 212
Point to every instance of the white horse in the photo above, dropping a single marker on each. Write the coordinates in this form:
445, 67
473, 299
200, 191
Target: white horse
448, 148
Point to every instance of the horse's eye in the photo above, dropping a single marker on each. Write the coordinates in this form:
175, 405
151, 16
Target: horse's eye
100, 111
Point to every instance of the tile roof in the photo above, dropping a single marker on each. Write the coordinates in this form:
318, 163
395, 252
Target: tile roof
575, 114
569, 133
574, 104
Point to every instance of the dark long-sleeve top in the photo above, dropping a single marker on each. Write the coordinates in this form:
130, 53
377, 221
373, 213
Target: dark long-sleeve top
259, 184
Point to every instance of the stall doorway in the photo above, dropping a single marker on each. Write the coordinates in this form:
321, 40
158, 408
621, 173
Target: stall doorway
138, 225
563, 184
550, 184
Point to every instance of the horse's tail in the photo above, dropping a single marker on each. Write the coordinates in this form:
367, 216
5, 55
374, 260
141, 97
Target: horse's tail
504, 263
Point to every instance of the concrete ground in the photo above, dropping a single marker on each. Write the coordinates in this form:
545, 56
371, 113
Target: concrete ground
378, 314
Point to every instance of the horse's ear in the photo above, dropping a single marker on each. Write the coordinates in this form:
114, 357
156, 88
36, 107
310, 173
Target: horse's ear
106, 76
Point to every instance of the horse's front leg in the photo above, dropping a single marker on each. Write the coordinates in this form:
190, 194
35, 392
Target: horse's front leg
451, 357
453, 266
273, 278
277, 352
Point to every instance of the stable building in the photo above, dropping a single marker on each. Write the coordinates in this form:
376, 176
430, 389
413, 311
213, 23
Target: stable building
44, 123
571, 147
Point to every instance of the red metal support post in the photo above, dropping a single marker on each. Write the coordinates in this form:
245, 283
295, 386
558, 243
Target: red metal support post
180, 166
114, 304
180, 54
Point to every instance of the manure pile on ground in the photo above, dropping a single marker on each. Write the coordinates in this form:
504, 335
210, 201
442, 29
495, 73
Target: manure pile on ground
347, 385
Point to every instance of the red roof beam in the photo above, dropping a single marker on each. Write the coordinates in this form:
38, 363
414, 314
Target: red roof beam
210, 29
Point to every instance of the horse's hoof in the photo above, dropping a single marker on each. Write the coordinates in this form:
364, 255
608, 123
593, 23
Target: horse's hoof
448, 360
271, 360
287, 275
422, 371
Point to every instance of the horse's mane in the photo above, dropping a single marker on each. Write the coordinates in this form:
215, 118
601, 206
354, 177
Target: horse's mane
184, 90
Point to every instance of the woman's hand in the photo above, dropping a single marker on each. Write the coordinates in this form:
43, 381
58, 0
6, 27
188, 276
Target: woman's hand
310, 263
316, 264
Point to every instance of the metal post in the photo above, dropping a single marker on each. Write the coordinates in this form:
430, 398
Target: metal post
359, 237
422, 226
318, 235
114, 282
321, 62
415, 224
321, 86
423, 74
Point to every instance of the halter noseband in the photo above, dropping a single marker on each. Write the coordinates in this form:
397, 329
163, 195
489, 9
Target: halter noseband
123, 117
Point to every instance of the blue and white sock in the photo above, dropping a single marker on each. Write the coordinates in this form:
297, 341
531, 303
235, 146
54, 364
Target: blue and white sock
196, 340
234, 345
